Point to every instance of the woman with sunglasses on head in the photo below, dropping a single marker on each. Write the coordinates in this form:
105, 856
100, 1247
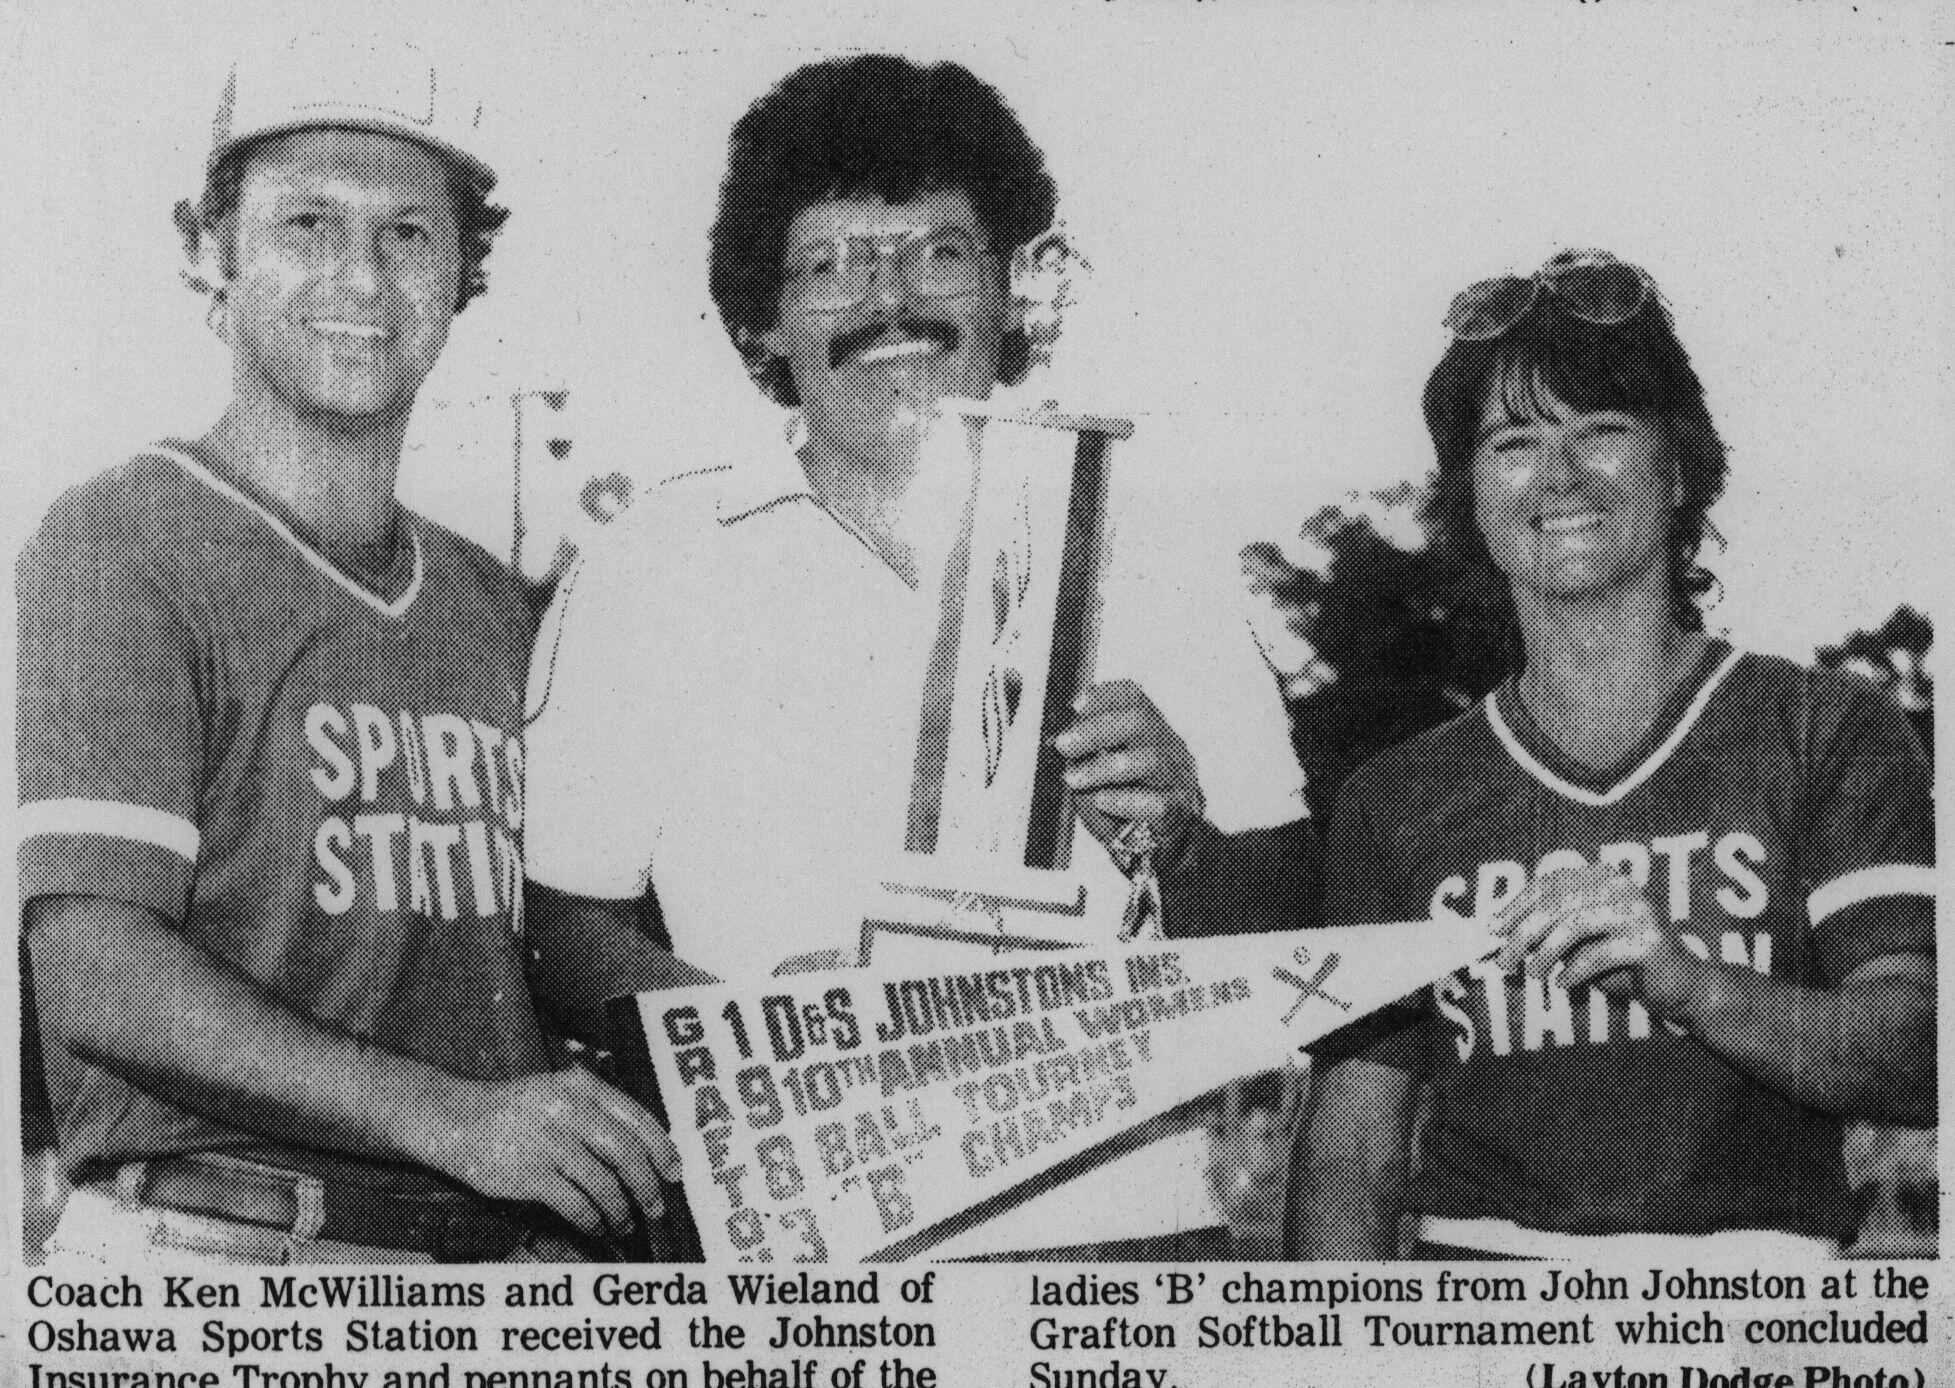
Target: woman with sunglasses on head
1710, 872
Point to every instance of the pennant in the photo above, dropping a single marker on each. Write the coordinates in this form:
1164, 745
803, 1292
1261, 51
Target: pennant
868, 1114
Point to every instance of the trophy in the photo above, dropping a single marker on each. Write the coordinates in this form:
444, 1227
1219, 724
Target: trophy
987, 855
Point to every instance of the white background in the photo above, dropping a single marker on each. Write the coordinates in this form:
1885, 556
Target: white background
1278, 203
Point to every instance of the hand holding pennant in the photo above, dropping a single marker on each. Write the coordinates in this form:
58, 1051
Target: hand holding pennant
870, 1113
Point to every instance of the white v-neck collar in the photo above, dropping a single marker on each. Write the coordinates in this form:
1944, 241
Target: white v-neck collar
395, 609
1635, 775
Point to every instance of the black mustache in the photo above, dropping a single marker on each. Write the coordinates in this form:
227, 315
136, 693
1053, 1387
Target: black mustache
945, 335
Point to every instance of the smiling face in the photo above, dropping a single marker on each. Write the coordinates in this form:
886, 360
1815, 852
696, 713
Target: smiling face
1571, 503
347, 267
868, 369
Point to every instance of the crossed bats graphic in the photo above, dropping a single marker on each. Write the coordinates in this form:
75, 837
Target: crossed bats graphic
1312, 987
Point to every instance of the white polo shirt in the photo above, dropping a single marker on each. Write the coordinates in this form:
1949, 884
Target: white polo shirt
724, 703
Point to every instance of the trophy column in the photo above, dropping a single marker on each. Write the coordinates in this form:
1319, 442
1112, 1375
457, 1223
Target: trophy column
987, 854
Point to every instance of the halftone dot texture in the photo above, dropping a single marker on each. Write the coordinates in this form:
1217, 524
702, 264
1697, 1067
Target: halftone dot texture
873, 126
321, 786
1774, 820
350, 81
1548, 364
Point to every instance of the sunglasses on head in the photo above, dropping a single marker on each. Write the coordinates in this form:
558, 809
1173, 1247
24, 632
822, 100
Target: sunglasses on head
1590, 285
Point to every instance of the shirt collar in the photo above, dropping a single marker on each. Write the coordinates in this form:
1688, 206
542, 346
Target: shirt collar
762, 482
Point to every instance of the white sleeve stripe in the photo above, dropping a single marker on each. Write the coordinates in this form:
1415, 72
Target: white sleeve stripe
111, 819
1868, 884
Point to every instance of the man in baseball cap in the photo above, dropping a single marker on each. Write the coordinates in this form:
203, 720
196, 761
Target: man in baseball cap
347, 83
271, 755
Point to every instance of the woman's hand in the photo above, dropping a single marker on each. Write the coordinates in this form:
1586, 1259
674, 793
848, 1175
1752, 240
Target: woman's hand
1595, 926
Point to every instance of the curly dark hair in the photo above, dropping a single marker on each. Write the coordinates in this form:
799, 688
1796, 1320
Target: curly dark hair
1638, 367
870, 126
477, 220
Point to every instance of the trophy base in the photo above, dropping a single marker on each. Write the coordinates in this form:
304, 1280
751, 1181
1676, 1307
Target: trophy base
931, 907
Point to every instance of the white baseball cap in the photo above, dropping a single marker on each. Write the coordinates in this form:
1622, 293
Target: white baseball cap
351, 82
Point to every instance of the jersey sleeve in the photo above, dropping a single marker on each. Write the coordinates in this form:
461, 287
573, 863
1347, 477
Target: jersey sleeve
592, 809
111, 731
1867, 847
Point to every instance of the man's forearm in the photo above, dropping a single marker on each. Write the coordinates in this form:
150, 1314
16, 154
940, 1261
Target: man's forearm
1232, 884
125, 991
1865, 1050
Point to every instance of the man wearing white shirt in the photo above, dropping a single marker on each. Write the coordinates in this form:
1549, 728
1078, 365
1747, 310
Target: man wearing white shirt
725, 695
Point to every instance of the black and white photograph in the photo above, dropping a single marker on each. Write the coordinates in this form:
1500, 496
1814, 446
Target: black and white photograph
1250, 687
